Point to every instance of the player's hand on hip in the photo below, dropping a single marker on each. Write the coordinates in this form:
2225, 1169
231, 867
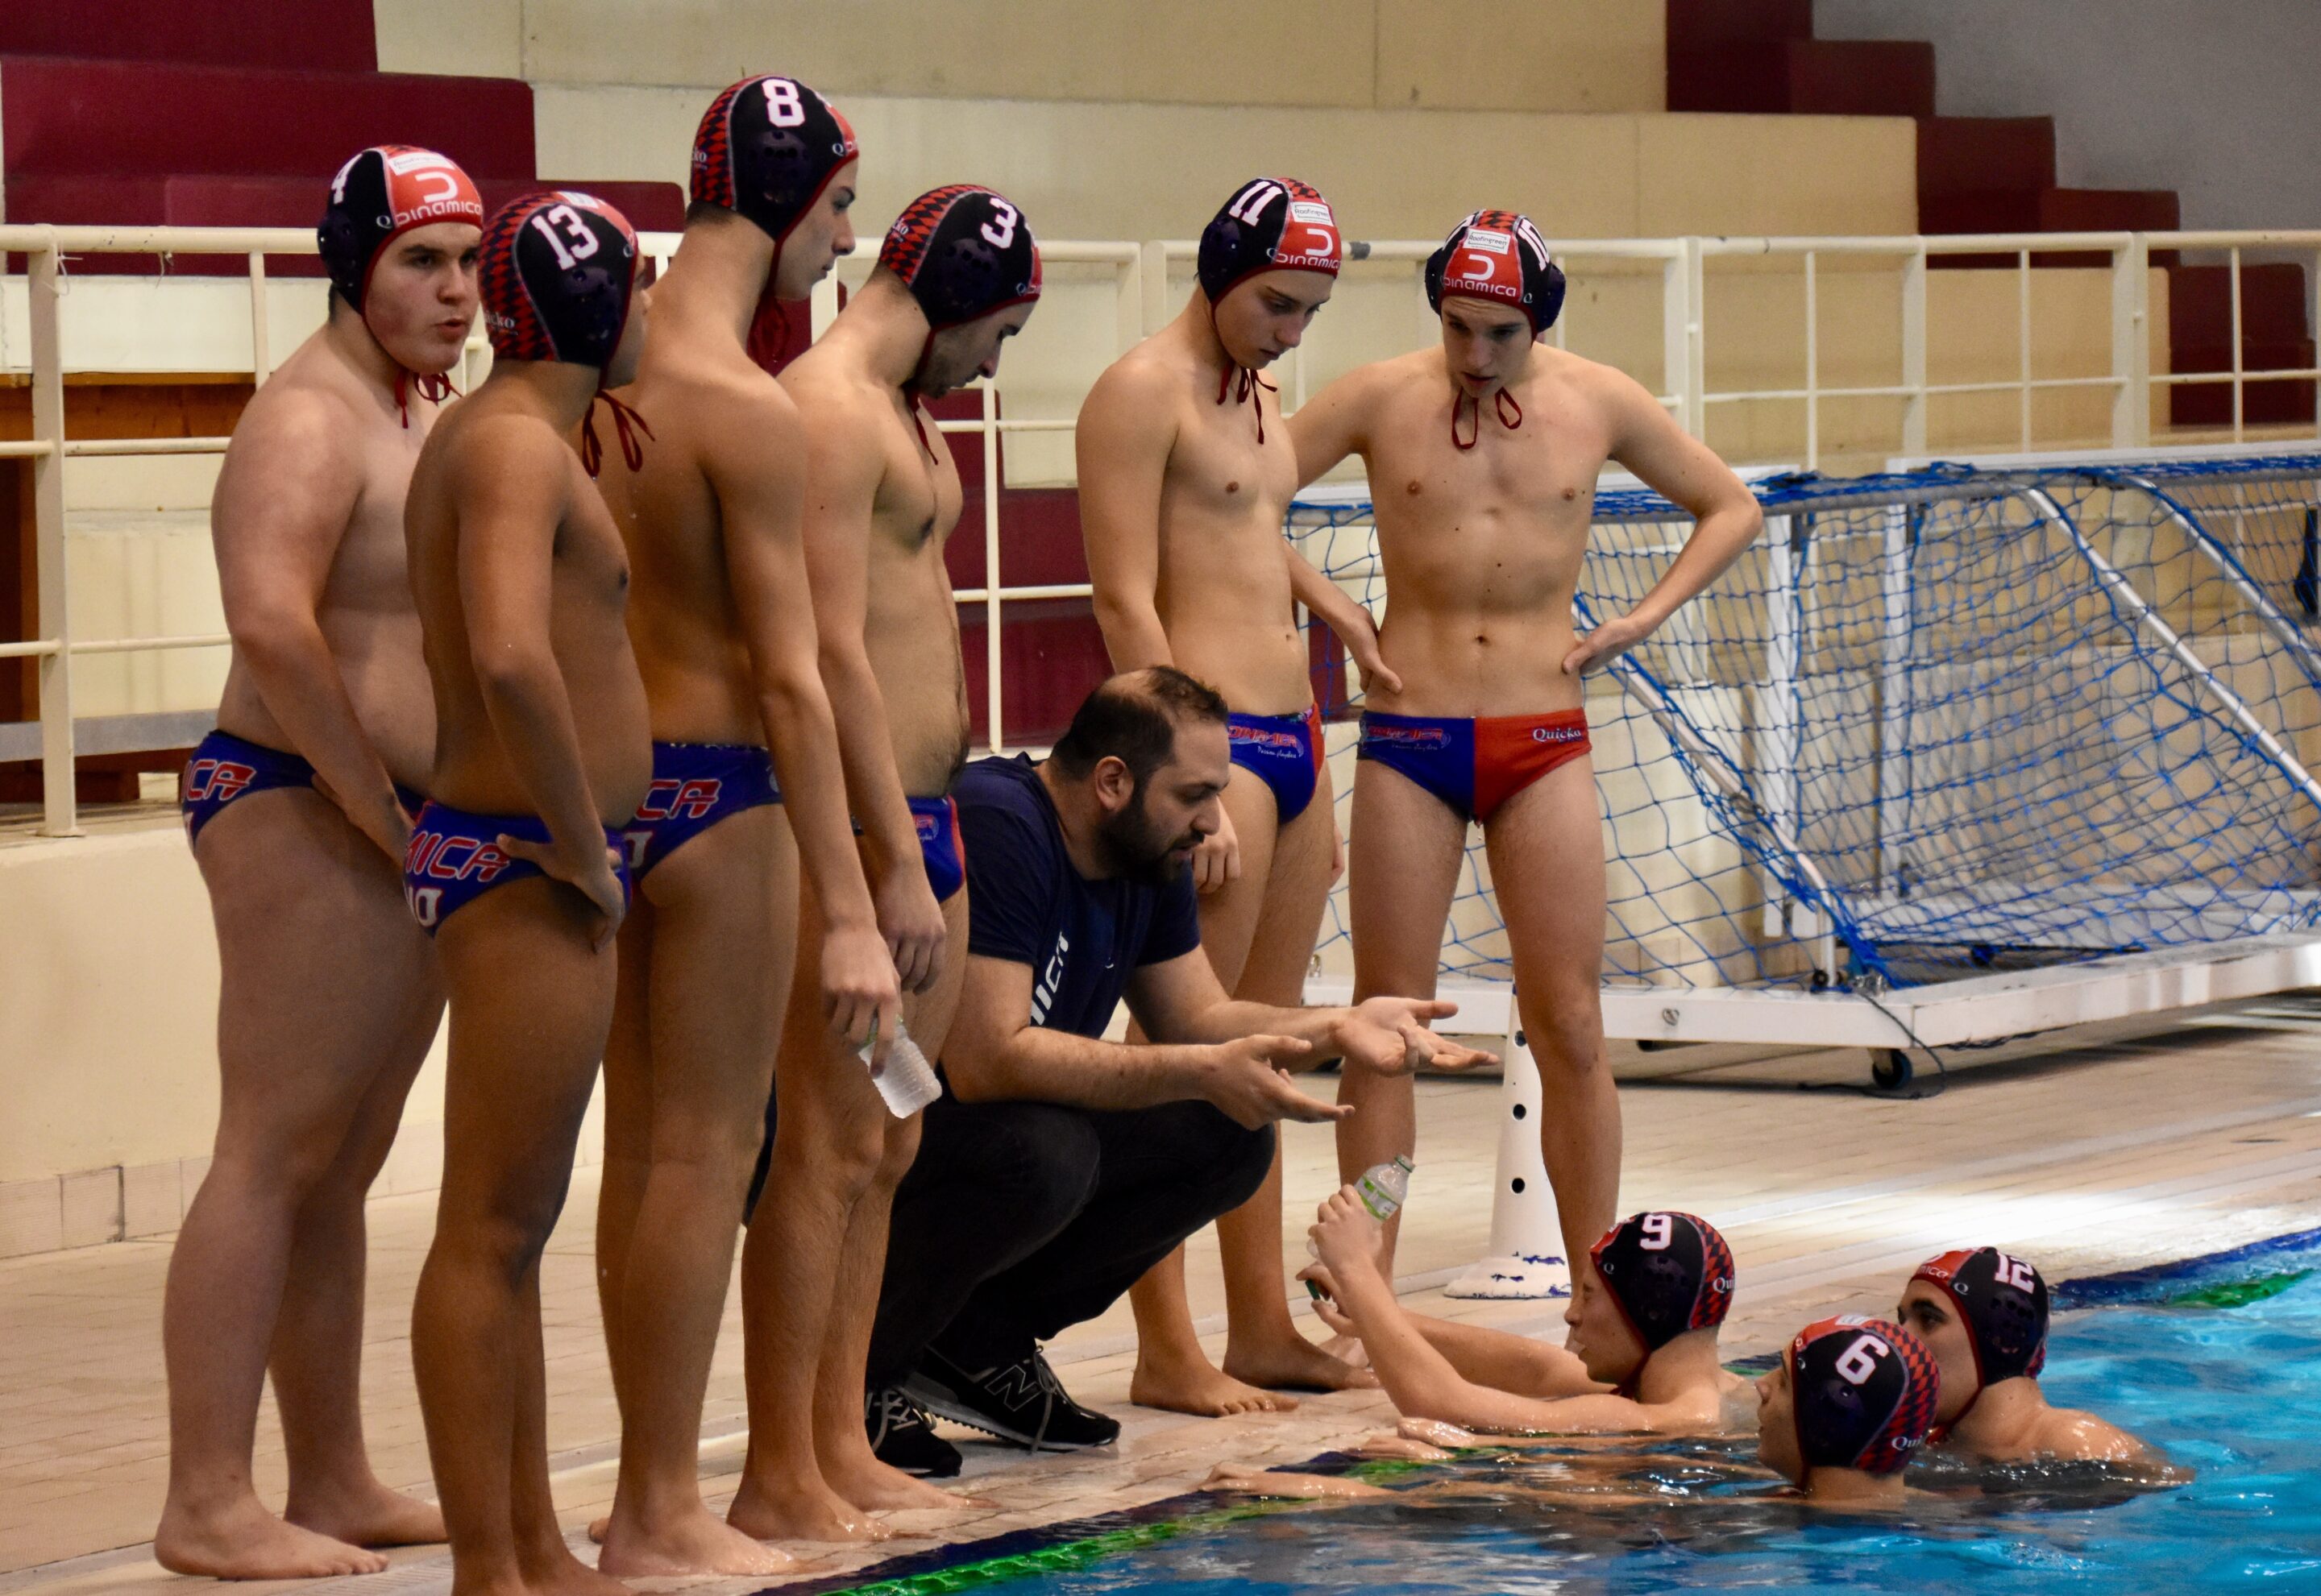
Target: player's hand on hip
1217, 859
1607, 642
862, 995
912, 922
592, 870
1246, 1081
1362, 647
1389, 1035
381, 818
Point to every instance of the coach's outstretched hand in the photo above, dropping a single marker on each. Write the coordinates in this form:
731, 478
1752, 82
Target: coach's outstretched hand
1389, 1035
1248, 1083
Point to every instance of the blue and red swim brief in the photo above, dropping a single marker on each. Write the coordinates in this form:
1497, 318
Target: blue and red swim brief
226, 767
937, 819
1474, 766
455, 857
694, 785
1283, 752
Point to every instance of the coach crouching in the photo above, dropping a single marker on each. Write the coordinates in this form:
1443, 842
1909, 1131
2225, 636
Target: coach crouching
1058, 1167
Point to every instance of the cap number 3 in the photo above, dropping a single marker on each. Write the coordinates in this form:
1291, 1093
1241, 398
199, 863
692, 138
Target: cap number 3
1001, 231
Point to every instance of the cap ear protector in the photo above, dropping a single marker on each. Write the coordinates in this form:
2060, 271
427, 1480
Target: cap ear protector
1497, 256
1270, 224
1863, 1391
559, 274
379, 195
2003, 1303
1667, 1273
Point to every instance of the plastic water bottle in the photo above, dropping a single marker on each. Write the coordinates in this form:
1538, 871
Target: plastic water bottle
1383, 1189
907, 1081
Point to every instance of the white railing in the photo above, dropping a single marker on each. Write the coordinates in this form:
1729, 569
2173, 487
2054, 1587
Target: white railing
1142, 284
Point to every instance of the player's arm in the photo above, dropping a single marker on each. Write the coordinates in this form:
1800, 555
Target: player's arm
1681, 468
1327, 602
1333, 423
755, 455
1122, 441
1484, 1356
290, 485
512, 480
844, 468
1180, 1000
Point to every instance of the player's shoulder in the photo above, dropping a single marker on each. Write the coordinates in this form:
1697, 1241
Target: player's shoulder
486, 446
2075, 1434
1593, 379
826, 392
310, 413
1153, 372
1379, 381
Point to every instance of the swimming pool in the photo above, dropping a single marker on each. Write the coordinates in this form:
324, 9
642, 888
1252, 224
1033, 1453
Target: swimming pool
2218, 1361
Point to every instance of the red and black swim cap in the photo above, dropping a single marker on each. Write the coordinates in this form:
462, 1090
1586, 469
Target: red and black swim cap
1668, 1273
963, 251
379, 195
767, 149
1497, 256
1865, 1392
558, 276
2004, 1304
1270, 224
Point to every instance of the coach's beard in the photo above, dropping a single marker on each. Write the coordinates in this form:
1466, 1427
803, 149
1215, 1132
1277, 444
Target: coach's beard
1137, 849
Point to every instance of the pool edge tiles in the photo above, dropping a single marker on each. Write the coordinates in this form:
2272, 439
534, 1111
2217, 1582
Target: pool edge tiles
2188, 1282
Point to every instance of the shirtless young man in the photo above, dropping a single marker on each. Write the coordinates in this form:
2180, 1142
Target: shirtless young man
1982, 1313
723, 626
543, 747
299, 805
1841, 1414
957, 277
1183, 491
1641, 1356
1483, 455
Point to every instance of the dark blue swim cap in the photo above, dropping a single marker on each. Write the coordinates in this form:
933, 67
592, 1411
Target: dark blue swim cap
1270, 224
1497, 256
2004, 1304
1865, 1392
1669, 1272
559, 274
963, 251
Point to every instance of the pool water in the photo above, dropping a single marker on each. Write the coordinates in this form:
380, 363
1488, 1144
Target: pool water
2218, 1363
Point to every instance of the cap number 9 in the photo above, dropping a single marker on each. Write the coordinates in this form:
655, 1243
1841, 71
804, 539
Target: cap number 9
1657, 1228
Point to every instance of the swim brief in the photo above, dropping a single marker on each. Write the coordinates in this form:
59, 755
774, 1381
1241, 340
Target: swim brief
694, 785
455, 859
1283, 752
1474, 766
226, 767
937, 819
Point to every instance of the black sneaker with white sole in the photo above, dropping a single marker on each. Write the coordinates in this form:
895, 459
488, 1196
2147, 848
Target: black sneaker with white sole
903, 1438
1022, 1402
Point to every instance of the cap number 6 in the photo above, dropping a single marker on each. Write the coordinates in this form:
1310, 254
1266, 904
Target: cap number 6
1858, 1362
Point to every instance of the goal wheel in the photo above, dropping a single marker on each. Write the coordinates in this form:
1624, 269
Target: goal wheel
1891, 1067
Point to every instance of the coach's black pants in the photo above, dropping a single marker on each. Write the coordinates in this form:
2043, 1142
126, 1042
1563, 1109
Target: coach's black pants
1022, 1218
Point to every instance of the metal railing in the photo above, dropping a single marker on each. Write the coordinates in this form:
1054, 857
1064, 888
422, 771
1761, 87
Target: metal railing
1141, 273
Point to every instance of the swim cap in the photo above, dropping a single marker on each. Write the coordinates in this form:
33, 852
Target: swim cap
379, 195
2004, 1304
559, 272
1497, 255
1864, 1390
1669, 1272
963, 252
1270, 224
766, 150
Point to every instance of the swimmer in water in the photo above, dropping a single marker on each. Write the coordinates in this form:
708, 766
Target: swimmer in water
1640, 1356
1482, 454
298, 806
1841, 1413
1183, 488
542, 747
1982, 1313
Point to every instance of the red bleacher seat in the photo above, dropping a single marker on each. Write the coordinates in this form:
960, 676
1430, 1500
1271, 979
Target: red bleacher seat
330, 35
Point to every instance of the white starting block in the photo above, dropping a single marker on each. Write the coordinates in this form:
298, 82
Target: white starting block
1526, 1258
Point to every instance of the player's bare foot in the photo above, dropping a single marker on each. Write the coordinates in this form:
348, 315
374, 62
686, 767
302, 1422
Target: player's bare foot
245, 1542
568, 1576
1399, 1446
812, 1512
597, 1526
1197, 1386
1241, 1479
1348, 1350
694, 1541
877, 1487
1296, 1363
367, 1515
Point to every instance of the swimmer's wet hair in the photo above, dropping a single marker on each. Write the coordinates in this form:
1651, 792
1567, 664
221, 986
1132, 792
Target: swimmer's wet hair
1133, 717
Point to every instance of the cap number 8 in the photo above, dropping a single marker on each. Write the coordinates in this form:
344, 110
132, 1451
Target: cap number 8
784, 109
1860, 1360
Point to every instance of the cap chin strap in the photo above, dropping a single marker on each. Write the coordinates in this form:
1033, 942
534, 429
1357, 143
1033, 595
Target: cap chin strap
1503, 402
1250, 386
624, 419
432, 386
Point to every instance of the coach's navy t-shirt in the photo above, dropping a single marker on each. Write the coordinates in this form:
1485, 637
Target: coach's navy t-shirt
1026, 904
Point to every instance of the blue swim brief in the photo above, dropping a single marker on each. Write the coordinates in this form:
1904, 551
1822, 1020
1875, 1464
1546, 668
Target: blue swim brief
455, 859
226, 767
937, 819
694, 785
1283, 752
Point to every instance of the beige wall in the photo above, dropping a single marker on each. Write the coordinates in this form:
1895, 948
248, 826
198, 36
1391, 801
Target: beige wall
1539, 55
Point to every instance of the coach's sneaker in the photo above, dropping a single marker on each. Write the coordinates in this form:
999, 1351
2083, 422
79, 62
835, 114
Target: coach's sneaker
902, 1438
1022, 1402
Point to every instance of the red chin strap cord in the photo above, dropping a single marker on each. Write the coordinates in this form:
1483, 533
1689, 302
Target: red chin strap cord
1503, 402
434, 389
624, 418
1250, 386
